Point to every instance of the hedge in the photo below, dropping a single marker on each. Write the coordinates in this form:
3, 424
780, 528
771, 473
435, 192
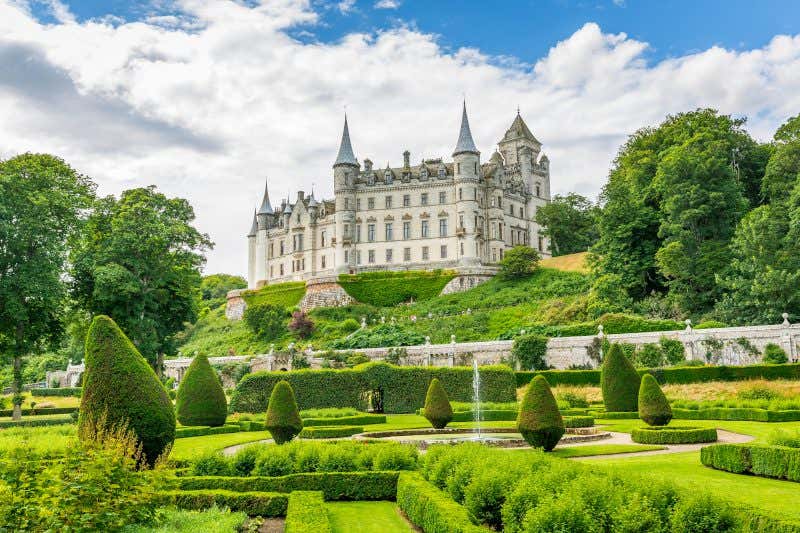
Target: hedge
321, 432
578, 421
387, 289
44, 411
281, 294
778, 462
725, 413
356, 420
267, 504
283, 416
437, 408
200, 398
306, 513
403, 388
36, 422
673, 375
430, 509
199, 431
60, 391
351, 486
615, 415
673, 435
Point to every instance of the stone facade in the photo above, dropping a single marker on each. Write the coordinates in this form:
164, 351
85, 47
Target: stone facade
324, 292
459, 215
235, 306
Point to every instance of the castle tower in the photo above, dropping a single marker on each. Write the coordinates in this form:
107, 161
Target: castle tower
517, 137
264, 219
345, 169
466, 172
251, 252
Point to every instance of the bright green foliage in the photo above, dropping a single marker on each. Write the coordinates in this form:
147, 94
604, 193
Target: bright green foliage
437, 406
182, 521
383, 335
386, 289
519, 262
306, 513
215, 287
267, 504
673, 435
779, 462
139, 262
266, 321
332, 432
653, 405
430, 508
42, 201
569, 222
119, 387
529, 351
201, 400
286, 295
774, 354
539, 420
283, 417
619, 381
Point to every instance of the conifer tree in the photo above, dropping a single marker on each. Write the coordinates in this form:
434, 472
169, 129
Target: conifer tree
539, 420
437, 406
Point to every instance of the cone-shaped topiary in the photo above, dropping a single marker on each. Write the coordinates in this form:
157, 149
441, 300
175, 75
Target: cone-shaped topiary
119, 387
437, 407
539, 420
283, 417
201, 400
653, 405
619, 382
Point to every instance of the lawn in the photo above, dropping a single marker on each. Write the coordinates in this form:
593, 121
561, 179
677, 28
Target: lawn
192, 447
602, 449
759, 430
366, 517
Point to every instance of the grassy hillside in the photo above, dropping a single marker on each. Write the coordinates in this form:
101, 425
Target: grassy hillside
567, 263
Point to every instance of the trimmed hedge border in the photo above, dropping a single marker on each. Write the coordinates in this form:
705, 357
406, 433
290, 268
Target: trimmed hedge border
673, 435
674, 375
356, 420
60, 391
615, 415
36, 423
578, 421
497, 415
351, 486
431, 509
306, 513
779, 462
43, 411
742, 413
404, 388
333, 432
200, 431
267, 504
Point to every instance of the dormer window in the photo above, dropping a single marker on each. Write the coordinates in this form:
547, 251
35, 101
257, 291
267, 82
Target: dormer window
442, 171
424, 172
388, 176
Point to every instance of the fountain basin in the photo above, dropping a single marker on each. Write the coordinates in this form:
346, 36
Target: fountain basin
499, 437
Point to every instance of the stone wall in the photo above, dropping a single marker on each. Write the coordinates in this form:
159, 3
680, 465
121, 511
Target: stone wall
234, 309
466, 281
324, 292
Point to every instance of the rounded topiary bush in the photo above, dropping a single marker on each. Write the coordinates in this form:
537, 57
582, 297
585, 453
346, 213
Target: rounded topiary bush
653, 405
673, 435
619, 382
437, 406
120, 388
283, 417
539, 420
201, 400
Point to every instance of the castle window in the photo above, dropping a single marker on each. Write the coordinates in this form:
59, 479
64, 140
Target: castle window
371, 256
460, 195
281, 269
370, 203
358, 257
521, 212
347, 230
358, 232
271, 250
460, 221
425, 253
442, 197
424, 229
371, 232
540, 244
423, 198
389, 255
442, 227
406, 200
346, 204
462, 249
406, 254
423, 174
282, 252
538, 190
500, 202
458, 168
388, 176
388, 231
303, 264
322, 238
388, 201
358, 204
406, 230
323, 261
271, 270
475, 194
476, 167
443, 252
346, 256
442, 171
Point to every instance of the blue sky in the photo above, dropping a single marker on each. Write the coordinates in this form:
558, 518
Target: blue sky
526, 29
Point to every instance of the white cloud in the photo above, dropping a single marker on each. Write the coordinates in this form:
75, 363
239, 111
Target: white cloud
346, 6
208, 103
388, 4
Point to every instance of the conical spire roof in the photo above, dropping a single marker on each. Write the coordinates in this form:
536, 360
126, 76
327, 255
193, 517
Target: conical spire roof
465, 143
266, 207
519, 129
345, 155
254, 226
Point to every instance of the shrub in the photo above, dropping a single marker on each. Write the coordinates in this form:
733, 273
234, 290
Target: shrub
774, 354
283, 417
673, 435
780, 462
519, 262
306, 513
377, 337
784, 438
757, 393
301, 325
387, 289
120, 388
578, 421
59, 391
431, 509
244, 461
265, 504
283, 295
211, 464
266, 321
574, 399
530, 351
437, 407
362, 419
201, 400
673, 350
654, 408
702, 513
650, 356
539, 421
619, 382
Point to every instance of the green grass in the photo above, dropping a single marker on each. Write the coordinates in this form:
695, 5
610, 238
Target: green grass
759, 430
602, 449
213, 520
366, 517
192, 447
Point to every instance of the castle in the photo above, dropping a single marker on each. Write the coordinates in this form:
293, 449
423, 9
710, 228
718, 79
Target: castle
459, 215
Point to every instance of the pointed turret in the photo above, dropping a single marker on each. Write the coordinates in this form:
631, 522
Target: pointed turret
519, 130
346, 156
266, 207
465, 143
254, 226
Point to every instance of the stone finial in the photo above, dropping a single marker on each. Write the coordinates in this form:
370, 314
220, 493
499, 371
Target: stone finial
452, 339
469, 310
363, 322
383, 320
430, 315
271, 349
785, 319
688, 323
600, 330
427, 339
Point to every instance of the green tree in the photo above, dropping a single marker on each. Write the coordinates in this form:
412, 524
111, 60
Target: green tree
283, 417
215, 287
201, 400
530, 351
265, 321
569, 222
139, 262
437, 409
654, 408
619, 382
538, 419
519, 262
42, 205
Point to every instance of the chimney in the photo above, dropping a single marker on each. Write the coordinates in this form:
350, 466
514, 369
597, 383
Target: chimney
406, 159
368, 165
300, 196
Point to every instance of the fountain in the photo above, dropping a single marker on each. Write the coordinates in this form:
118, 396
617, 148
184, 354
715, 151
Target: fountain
476, 398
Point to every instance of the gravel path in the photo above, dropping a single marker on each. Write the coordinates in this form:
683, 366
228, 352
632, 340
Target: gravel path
625, 438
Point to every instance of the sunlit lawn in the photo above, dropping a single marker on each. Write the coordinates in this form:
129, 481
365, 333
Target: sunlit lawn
366, 517
602, 449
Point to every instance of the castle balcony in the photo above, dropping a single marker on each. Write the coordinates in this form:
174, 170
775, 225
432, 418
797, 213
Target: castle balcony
460, 232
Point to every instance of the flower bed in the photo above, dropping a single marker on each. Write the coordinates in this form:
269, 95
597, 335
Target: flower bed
780, 462
673, 435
